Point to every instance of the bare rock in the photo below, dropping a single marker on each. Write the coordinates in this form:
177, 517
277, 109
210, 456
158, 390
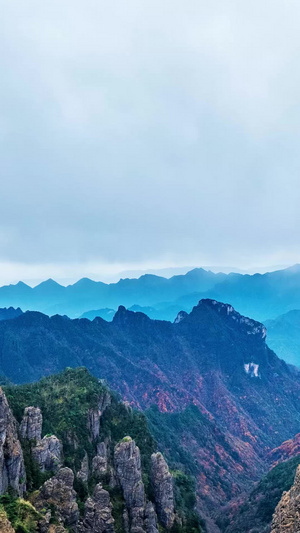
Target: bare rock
127, 461
94, 415
31, 425
83, 473
286, 518
162, 483
98, 513
150, 519
57, 494
100, 461
48, 453
12, 471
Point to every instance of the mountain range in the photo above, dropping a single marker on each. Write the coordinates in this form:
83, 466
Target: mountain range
216, 397
261, 296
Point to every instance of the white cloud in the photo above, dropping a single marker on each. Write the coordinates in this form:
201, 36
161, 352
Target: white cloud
135, 132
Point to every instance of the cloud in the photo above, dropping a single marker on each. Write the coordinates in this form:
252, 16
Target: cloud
149, 132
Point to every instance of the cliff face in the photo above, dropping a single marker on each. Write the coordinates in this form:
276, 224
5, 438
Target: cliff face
12, 470
99, 470
286, 518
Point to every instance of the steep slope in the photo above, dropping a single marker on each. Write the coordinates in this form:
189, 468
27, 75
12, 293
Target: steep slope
286, 518
284, 336
254, 514
107, 472
212, 359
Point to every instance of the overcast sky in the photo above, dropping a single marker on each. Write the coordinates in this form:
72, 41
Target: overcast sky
148, 133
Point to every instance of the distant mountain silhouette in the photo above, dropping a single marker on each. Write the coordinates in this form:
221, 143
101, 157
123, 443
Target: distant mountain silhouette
262, 296
284, 336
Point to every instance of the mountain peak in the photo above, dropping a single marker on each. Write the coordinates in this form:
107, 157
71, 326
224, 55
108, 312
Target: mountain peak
124, 316
250, 326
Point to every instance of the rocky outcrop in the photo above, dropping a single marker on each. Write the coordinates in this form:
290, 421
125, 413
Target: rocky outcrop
150, 519
127, 461
94, 415
31, 425
98, 513
83, 473
12, 471
48, 453
100, 461
286, 518
58, 496
162, 483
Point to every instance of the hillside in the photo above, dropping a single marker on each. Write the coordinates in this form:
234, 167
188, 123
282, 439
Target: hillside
89, 463
222, 389
254, 514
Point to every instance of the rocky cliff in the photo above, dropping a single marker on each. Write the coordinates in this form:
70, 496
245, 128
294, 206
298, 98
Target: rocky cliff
286, 518
12, 471
98, 480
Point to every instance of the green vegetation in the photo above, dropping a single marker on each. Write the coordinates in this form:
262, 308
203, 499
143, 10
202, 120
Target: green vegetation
257, 511
21, 513
65, 400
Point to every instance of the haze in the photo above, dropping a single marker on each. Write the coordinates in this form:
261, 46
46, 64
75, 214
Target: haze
138, 135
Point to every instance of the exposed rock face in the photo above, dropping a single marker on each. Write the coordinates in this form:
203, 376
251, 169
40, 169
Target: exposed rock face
94, 415
162, 483
12, 471
5, 525
31, 425
83, 473
100, 461
58, 493
286, 518
127, 462
150, 519
48, 453
98, 513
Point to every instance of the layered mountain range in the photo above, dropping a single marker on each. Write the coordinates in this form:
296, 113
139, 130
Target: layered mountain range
217, 399
261, 296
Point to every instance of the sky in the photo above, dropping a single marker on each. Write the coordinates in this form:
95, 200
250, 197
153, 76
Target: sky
145, 134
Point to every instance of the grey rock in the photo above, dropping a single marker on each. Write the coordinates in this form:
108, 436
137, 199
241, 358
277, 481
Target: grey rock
58, 493
127, 461
83, 473
12, 470
48, 453
94, 415
150, 519
162, 483
286, 518
98, 513
126, 525
31, 425
100, 461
